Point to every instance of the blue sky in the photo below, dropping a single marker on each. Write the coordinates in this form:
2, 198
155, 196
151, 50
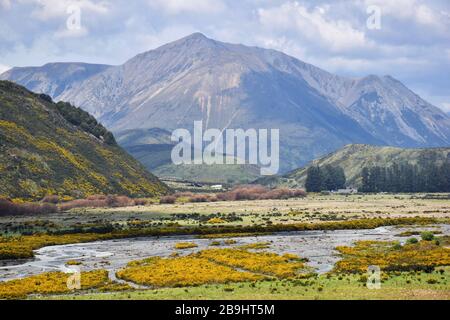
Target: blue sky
412, 43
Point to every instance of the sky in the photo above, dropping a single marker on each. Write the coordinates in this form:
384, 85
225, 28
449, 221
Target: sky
407, 39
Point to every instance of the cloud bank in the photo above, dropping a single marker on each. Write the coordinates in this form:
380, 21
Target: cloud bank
412, 43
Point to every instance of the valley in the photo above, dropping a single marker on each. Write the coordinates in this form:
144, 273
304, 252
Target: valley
324, 223
232, 86
94, 206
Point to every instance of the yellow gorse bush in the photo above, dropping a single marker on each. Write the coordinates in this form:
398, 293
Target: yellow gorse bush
210, 266
266, 263
231, 235
22, 247
185, 245
191, 270
215, 221
55, 283
424, 255
256, 245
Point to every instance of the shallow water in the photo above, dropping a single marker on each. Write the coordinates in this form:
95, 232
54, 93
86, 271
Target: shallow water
316, 246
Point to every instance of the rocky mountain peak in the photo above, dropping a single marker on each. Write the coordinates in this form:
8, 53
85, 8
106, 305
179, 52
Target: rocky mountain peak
236, 86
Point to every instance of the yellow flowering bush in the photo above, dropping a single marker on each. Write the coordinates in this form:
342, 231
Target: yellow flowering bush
256, 245
216, 221
185, 245
210, 266
260, 262
191, 270
55, 283
231, 235
389, 256
23, 246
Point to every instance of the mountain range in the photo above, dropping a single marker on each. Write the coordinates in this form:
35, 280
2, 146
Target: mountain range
49, 148
236, 86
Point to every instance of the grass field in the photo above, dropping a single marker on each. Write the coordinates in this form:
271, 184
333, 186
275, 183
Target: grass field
403, 265
397, 287
314, 208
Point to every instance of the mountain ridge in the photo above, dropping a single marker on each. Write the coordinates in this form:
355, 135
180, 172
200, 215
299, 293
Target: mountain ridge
237, 86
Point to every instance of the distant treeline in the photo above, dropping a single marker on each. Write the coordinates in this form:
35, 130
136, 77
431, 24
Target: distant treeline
407, 178
325, 178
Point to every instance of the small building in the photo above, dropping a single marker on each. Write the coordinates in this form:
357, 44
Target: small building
347, 191
217, 187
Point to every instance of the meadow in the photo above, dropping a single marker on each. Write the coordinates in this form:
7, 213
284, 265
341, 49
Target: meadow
416, 268
409, 286
315, 208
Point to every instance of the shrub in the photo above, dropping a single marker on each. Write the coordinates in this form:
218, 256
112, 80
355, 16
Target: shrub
100, 201
140, 202
397, 245
168, 199
427, 235
7, 207
252, 192
82, 203
412, 240
185, 245
54, 283
199, 198
187, 271
96, 197
215, 220
423, 256
119, 201
51, 199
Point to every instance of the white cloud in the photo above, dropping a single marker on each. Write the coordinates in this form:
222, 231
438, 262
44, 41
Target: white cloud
416, 11
5, 4
445, 106
314, 25
184, 6
71, 33
412, 45
48, 9
4, 68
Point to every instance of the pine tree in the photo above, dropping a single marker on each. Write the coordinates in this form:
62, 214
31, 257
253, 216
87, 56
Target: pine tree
313, 179
365, 180
339, 178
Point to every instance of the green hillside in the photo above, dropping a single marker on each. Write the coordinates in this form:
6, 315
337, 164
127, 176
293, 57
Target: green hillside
353, 158
157, 158
153, 148
48, 148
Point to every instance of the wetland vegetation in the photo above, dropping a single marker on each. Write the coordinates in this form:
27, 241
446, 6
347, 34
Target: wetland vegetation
217, 261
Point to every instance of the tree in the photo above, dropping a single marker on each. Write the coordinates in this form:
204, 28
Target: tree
325, 178
365, 180
406, 177
339, 178
313, 179
333, 178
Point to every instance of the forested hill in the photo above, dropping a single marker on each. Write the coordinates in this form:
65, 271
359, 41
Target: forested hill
353, 158
48, 148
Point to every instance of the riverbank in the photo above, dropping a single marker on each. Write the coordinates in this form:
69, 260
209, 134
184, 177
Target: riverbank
22, 247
